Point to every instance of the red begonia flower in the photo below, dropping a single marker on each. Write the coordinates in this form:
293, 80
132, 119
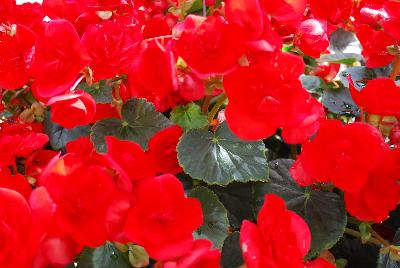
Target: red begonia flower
105, 110
29, 14
18, 140
66, 9
162, 150
15, 182
155, 61
246, 14
163, 219
374, 44
55, 248
14, 51
305, 116
190, 87
200, 256
210, 46
372, 13
116, 217
112, 46
259, 92
381, 194
71, 110
130, 157
391, 24
326, 71
15, 230
334, 11
341, 154
312, 37
6, 8
380, 96
285, 12
81, 209
268, 95
156, 26
84, 149
281, 238
37, 161
58, 59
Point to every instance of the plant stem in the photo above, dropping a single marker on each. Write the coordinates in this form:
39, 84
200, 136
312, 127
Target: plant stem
293, 151
379, 238
396, 68
358, 235
220, 101
204, 9
206, 103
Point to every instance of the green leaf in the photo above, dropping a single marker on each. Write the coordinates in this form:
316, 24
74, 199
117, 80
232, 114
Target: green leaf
139, 123
312, 83
360, 75
341, 41
339, 101
231, 254
101, 91
239, 200
189, 117
59, 136
341, 58
216, 224
221, 158
324, 212
106, 256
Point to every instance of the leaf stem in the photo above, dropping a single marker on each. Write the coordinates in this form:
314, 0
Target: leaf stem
220, 101
358, 235
396, 68
206, 103
379, 238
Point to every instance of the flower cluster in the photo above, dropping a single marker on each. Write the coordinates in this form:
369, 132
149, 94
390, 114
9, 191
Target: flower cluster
140, 124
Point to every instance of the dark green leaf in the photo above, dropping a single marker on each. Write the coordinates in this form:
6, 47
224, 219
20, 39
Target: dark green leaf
106, 256
139, 123
189, 117
324, 212
344, 41
238, 199
339, 101
101, 91
360, 75
221, 158
231, 254
312, 83
216, 224
341, 58
59, 136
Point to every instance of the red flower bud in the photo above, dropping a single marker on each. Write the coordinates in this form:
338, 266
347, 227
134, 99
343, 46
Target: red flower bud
312, 37
71, 110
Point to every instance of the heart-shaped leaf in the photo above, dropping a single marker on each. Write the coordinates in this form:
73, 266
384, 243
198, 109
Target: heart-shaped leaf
106, 256
215, 226
59, 136
189, 117
221, 158
231, 254
101, 91
139, 123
